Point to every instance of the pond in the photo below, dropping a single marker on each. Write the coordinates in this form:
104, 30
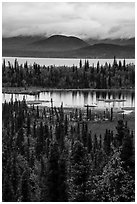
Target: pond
78, 99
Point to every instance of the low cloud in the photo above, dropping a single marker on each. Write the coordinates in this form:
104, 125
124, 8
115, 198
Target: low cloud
85, 20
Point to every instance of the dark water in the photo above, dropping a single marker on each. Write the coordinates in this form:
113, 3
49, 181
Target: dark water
79, 98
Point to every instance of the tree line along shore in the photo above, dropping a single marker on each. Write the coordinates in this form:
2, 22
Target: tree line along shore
119, 75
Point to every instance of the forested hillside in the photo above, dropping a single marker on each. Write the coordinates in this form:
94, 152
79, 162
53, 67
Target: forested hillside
49, 155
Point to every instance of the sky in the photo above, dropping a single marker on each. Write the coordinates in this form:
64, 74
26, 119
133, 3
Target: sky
84, 20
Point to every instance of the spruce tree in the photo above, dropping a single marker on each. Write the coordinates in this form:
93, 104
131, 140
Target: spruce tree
80, 64
78, 173
53, 174
25, 187
114, 184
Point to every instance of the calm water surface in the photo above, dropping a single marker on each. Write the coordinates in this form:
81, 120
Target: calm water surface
79, 98
61, 61
74, 98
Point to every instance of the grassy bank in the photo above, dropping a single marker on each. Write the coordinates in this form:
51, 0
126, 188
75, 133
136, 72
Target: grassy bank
100, 126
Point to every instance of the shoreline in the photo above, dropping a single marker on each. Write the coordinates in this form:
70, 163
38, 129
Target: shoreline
37, 90
41, 57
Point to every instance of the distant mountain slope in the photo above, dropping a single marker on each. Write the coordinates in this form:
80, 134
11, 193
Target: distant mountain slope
19, 41
59, 43
130, 41
63, 47
103, 50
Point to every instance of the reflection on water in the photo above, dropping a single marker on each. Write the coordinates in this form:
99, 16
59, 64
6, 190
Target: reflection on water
79, 98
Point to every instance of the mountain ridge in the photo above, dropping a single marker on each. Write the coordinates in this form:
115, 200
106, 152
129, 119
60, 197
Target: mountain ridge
117, 41
64, 47
60, 42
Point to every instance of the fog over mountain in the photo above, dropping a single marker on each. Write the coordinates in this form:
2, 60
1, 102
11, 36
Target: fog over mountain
84, 20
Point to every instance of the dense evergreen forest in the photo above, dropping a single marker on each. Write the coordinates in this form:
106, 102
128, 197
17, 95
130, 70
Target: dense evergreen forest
48, 155
117, 75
